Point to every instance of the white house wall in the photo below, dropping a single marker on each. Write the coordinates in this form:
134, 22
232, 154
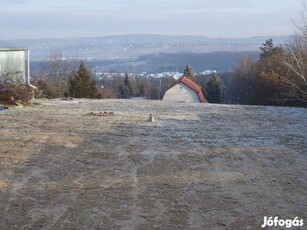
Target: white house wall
13, 62
181, 93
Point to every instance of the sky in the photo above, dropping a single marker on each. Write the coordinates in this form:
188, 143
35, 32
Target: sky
22, 19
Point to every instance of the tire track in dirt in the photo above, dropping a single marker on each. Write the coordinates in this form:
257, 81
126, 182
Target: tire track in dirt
131, 170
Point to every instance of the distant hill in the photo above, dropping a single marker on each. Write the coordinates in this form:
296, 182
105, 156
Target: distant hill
219, 61
149, 53
134, 46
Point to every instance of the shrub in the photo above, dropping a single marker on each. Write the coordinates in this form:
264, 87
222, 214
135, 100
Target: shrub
11, 92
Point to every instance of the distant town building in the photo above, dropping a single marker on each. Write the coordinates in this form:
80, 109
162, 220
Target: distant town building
15, 64
185, 91
208, 71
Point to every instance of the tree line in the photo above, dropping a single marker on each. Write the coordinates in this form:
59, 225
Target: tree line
58, 78
278, 77
61, 76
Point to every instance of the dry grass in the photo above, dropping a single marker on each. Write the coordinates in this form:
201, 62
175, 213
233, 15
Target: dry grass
196, 167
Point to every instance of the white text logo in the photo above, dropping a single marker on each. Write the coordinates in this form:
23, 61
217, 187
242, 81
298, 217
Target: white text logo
276, 222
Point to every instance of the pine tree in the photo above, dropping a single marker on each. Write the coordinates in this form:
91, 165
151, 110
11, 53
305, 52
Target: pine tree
81, 85
125, 89
213, 92
268, 49
188, 72
127, 83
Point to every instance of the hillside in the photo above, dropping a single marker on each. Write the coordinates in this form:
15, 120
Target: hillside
164, 62
133, 46
219, 61
149, 53
199, 166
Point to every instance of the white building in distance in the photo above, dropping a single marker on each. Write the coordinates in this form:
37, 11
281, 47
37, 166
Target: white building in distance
15, 64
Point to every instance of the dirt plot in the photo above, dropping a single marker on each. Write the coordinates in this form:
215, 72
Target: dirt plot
196, 167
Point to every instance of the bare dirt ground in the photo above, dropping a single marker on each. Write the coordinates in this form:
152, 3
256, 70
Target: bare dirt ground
196, 167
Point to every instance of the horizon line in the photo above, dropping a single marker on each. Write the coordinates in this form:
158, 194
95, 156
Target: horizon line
140, 34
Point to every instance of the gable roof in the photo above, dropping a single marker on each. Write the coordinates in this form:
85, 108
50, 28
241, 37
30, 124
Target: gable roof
197, 88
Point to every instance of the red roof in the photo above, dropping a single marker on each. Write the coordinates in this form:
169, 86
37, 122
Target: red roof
197, 88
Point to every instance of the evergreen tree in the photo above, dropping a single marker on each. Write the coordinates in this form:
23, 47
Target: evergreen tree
127, 83
213, 90
268, 49
81, 85
125, 89
188, 72
269, 71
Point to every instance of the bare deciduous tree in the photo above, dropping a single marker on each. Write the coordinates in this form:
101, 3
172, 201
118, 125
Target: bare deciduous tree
57, 69
295, 84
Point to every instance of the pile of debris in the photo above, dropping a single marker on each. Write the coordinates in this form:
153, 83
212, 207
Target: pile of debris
103, 113
67, 99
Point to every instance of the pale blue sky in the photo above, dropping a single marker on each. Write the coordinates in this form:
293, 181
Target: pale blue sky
89, 18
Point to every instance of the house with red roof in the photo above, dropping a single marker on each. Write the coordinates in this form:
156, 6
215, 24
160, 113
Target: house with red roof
185, 91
